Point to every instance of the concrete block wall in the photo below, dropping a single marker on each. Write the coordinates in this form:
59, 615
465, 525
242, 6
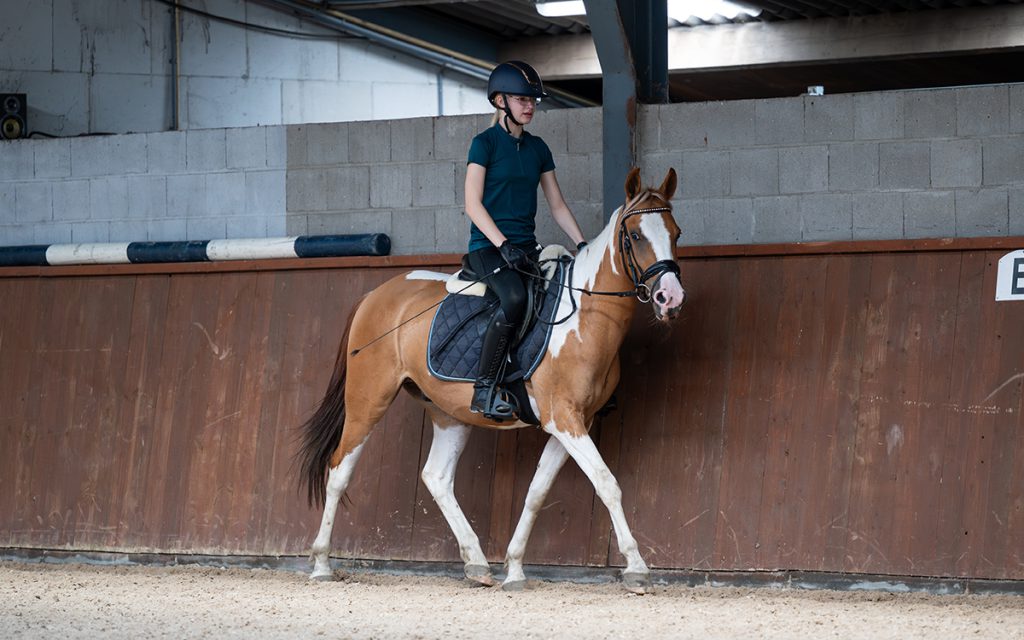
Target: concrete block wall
912, 164
194, 185
872, 166
105, 67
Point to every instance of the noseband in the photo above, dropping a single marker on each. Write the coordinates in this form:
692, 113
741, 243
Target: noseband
629, 261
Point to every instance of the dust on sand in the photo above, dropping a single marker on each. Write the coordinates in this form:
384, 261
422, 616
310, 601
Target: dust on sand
85, 601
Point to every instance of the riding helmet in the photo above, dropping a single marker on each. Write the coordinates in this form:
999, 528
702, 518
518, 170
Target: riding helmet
514, 78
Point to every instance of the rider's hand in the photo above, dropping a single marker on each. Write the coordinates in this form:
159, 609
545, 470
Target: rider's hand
579, 247
514, 256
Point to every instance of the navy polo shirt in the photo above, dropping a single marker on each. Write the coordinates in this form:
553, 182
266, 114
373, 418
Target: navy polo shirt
514, 167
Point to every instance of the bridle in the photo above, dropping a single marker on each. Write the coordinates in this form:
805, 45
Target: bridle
629, 262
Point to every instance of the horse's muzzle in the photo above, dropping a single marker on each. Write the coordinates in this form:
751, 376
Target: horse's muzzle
668, 297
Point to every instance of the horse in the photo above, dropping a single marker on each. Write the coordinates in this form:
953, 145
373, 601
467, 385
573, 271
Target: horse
632, 257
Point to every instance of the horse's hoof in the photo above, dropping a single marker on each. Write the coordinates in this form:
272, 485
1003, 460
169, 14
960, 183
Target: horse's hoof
514, 585
322, 577
480, 574
638, 583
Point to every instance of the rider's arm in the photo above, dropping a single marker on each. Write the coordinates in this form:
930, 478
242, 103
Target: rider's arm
559, 209
474, 194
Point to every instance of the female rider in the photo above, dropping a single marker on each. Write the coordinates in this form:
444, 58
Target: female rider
505, 166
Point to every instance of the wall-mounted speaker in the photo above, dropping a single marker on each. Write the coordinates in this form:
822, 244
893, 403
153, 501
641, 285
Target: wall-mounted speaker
13, 116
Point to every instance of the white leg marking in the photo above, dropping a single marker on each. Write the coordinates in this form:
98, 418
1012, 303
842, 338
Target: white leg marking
586, 455
439, 476
337, 480
551, 461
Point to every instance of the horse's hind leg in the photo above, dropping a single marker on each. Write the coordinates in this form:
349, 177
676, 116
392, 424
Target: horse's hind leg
337, 481
439, 475
551, 461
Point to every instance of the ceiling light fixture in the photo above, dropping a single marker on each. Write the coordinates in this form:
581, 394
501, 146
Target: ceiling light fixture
678, 10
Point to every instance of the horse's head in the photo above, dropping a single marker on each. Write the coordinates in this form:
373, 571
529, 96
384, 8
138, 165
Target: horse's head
647, 235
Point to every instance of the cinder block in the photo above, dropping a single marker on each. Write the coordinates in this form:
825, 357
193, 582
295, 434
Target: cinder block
391, 186
54, 233
1016, 223
52, 158
205, 150
277, 151
803, 169
853, 166
731, 124
827, 216
265, 192
147, 197
369, 141
584, 130
413, 231
108, 198
878, 116
376, 221
295, 145
225, 194
167, 230
412, 139
930, 114
828, 118
904, 165
878, 216
7, 202
246, 148
27, 34
452, 136
129, 230
208, 229
122, 103
433, 184
777, 219
573, 174
956, 163
552, 125
186, 196
754, 172
71, 200
779, 121
251, 227
13, 235
311, 101
929, 214
77, 47
108, 155
1017, 108
347, 188
82, 232
33, 202
327, 144
690, 216
306, 190
982, 111
1003, 160
648, 128
296, 224
684, 125
729, 221
18, 159
982, 212
277, 225
705, 174
653, 168
451, 230
165, 152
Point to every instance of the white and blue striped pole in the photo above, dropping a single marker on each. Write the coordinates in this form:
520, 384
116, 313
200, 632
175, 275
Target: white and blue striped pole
370, 244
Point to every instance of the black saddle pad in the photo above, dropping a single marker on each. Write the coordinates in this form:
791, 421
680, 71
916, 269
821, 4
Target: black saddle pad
457, 331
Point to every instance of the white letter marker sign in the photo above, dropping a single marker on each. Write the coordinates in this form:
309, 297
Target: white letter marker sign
1010, 280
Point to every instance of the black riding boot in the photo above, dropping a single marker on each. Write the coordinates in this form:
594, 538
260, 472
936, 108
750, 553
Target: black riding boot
487, 396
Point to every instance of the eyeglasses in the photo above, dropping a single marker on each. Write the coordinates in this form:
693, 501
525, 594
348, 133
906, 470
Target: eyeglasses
524, 100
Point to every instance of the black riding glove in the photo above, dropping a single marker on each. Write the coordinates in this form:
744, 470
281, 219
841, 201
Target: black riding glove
580, 246
514, 256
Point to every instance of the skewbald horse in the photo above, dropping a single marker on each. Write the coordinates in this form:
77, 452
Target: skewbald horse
633, 255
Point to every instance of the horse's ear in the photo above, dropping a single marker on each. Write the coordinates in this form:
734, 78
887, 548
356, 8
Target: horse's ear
668, 187
633, 183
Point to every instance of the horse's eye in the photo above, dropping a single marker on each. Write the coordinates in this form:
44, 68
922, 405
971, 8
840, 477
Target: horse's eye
634, 235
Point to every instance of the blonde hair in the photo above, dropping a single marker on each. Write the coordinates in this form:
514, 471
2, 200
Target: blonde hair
497, 116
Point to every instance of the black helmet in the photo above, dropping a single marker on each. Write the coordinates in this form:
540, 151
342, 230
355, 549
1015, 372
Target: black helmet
515, 78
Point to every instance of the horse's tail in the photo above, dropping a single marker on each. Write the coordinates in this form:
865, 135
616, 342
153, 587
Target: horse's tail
321, 434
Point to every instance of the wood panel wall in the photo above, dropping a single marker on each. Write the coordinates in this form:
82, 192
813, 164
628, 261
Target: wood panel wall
832, 412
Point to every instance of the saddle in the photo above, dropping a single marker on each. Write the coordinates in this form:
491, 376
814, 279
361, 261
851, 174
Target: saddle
459, 324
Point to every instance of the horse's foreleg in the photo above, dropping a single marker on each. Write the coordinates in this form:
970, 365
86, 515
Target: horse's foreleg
551, 462
337, 480
439, 476
636, 576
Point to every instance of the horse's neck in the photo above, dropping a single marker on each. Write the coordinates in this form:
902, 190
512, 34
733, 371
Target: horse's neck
599, 268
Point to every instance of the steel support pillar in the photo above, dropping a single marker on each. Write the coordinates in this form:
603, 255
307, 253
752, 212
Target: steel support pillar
631, 42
